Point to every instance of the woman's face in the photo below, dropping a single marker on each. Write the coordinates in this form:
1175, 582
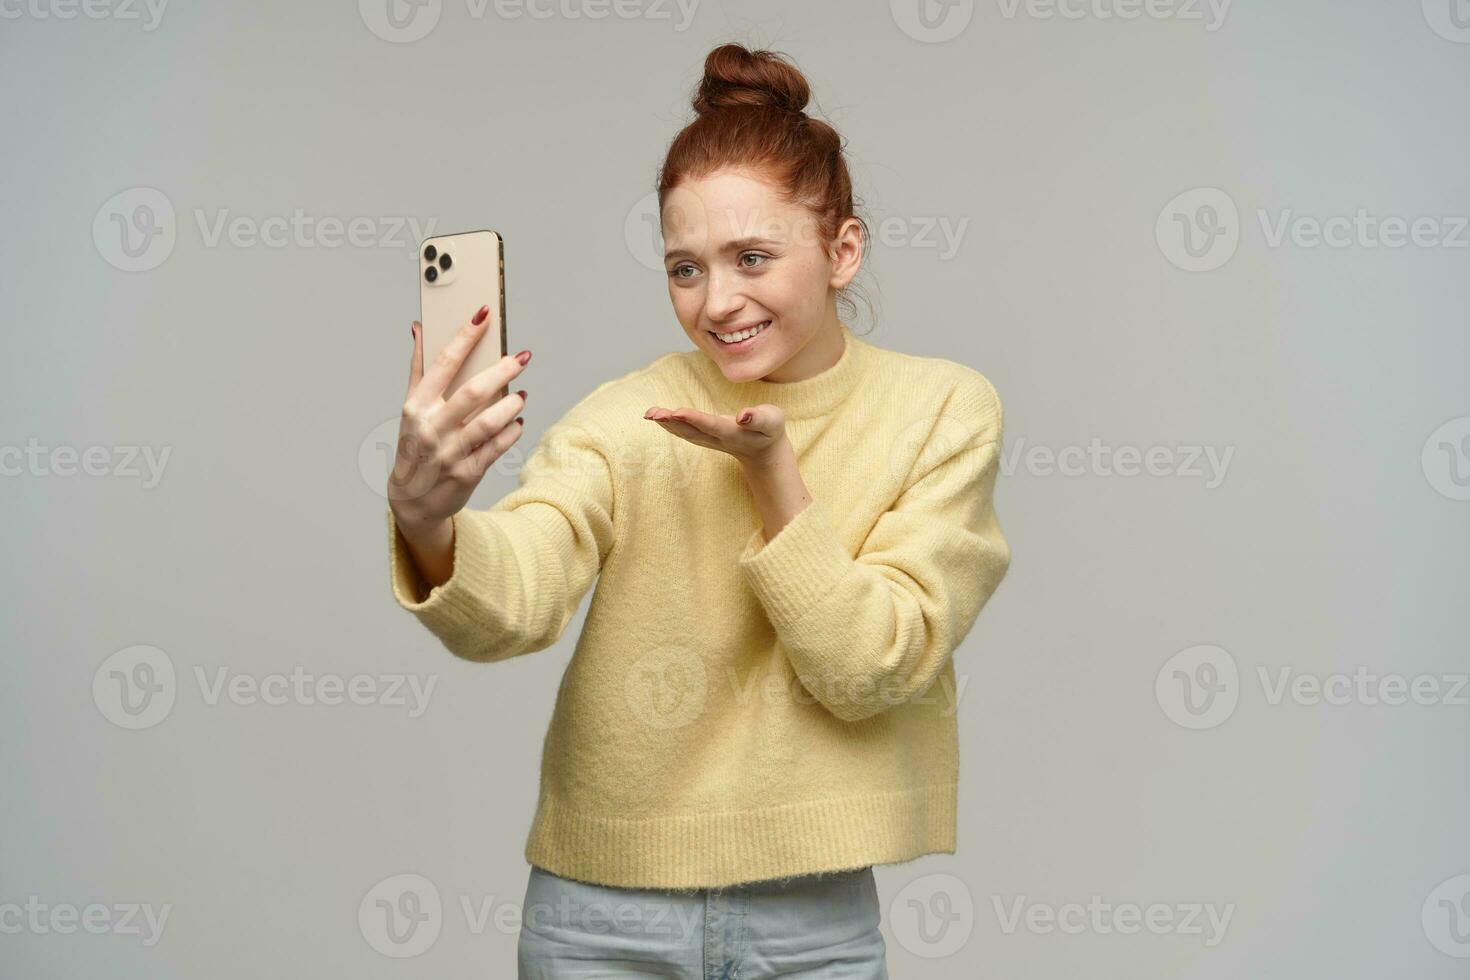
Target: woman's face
739, 257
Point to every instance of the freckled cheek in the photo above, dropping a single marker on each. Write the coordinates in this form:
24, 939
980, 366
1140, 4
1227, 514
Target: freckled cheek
800, 299
787, 294
686, 306
809, 291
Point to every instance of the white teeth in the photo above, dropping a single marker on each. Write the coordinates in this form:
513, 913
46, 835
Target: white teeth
739, 335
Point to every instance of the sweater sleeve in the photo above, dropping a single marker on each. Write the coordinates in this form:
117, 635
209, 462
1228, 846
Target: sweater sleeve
521, 567
867, 633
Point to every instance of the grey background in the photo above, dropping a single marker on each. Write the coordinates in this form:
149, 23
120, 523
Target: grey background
1335, 542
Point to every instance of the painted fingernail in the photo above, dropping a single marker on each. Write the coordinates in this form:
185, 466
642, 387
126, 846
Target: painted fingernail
521, 420
480, 315
522, 393
744, 417
524, 357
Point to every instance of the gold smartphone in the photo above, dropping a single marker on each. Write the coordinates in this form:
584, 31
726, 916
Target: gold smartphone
458, 274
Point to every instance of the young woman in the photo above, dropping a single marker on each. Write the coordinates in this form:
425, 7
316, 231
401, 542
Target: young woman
791, 531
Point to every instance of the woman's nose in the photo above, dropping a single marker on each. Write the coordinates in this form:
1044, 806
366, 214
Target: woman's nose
722, 299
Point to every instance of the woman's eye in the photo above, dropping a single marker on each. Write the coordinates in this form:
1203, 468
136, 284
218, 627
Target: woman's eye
752, 255
675, 271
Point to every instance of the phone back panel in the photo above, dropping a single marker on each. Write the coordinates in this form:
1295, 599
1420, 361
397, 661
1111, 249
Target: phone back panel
475, 278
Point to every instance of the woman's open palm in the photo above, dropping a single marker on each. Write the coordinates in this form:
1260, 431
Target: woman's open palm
751, 435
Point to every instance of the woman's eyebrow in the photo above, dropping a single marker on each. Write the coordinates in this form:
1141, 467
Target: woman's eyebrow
738, 244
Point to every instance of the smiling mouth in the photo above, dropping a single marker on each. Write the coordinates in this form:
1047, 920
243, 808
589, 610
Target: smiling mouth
739, 337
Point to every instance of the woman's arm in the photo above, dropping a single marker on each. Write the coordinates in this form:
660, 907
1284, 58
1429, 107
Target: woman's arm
867, 633
777, 488
517, 571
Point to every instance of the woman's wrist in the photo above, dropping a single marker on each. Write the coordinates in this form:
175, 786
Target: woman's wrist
776, 486
432, 549
776, 456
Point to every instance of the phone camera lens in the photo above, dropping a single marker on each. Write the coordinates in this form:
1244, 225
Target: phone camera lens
431, 273
429, 253
445, 262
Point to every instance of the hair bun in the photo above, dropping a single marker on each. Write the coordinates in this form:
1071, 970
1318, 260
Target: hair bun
737, 76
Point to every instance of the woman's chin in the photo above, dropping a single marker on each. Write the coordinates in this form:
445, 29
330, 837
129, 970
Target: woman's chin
740, 373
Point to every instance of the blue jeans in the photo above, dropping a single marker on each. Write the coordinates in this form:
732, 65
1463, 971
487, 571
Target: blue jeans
814, 926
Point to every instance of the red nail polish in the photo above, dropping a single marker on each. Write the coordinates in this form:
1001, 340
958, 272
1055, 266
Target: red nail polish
483, 312
524, 357
521, 420
522, 393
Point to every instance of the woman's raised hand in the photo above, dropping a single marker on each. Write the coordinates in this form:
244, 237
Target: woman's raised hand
445, 446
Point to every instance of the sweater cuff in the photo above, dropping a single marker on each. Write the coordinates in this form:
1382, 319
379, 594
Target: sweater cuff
456, 606
798, 568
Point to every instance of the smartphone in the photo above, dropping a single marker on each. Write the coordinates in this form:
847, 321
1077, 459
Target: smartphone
458, 274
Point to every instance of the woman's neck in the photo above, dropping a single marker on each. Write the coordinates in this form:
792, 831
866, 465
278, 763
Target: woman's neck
821, 352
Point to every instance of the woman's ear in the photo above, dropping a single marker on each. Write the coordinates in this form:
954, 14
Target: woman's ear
846, 253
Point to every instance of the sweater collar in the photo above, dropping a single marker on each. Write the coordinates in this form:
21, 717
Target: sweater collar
810, 397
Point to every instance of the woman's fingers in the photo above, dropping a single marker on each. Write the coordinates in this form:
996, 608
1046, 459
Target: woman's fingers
694, 420
714, 425
446, 363
485, 425
765, 419
416, 363
478, 392
477, 462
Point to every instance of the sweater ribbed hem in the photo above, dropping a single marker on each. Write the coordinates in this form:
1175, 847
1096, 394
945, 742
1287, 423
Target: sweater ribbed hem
716, 850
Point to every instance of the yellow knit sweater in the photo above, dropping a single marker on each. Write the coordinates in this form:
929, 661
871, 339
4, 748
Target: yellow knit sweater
738, 710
